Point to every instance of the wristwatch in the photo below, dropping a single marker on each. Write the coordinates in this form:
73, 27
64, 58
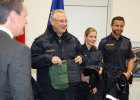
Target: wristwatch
130, 72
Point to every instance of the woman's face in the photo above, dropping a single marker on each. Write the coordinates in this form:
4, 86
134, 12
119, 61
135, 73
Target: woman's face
91, 38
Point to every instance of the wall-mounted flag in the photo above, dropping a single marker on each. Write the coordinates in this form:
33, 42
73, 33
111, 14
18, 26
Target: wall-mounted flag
56, 4
21, 38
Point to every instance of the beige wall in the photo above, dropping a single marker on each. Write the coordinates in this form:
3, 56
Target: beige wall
83, 14
129, 9
38, 13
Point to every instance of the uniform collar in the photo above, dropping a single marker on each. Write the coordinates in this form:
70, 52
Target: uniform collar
112, 37
54, 34
7, 31
91, 49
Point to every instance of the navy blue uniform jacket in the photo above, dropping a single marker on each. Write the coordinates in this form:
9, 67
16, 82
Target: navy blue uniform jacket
44, 48
92, 57
116, 52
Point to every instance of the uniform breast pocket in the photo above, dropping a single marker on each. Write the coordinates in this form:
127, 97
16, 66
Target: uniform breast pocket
124, 52
110, 49
95, 58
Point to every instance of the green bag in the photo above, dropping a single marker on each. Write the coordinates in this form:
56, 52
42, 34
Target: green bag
59, 76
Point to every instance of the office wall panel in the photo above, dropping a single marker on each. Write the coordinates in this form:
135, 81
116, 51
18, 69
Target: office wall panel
81, 17
87, 2
129, 9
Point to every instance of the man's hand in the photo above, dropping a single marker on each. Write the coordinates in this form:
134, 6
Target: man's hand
78, 59
127, 74
56, 60
94, 90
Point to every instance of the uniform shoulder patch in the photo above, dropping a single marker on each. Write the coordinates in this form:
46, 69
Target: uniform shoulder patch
126, 37
104, 40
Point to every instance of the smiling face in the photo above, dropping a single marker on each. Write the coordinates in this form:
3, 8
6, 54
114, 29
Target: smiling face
90, 39
117, 27
59, 23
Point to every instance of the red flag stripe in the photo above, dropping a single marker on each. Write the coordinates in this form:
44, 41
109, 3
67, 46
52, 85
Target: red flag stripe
21, 38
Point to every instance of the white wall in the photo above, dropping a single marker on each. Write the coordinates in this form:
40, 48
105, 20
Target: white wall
135, 90
38, 13
129, 9
83, 14
37, 18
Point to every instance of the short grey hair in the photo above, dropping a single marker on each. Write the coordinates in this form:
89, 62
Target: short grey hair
56, 11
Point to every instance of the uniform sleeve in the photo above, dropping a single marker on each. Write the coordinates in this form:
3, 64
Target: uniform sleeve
39, 59
130, 52
100, 58
101, 47
79, 50
19, 74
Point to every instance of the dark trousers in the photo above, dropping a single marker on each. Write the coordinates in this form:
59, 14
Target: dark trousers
124, 96
71, 93
119, 95
55, 96
99, 94
83, 91
68, 94
85, 94
36, 89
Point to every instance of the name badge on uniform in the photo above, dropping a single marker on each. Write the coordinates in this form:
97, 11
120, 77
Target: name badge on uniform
109, 44
51, 50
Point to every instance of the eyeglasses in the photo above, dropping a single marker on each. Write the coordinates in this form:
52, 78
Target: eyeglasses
61, 21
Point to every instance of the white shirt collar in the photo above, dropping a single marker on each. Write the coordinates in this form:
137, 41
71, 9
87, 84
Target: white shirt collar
7, 31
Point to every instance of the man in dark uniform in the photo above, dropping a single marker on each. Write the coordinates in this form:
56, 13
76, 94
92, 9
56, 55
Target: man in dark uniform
116, 49
55, 45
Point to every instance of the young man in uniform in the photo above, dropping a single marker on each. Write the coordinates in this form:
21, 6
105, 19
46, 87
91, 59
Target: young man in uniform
116, 49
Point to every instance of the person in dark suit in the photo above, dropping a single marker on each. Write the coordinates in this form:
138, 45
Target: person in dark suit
15, 60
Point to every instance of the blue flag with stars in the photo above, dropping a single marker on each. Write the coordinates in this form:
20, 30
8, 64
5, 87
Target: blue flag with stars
56, 4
